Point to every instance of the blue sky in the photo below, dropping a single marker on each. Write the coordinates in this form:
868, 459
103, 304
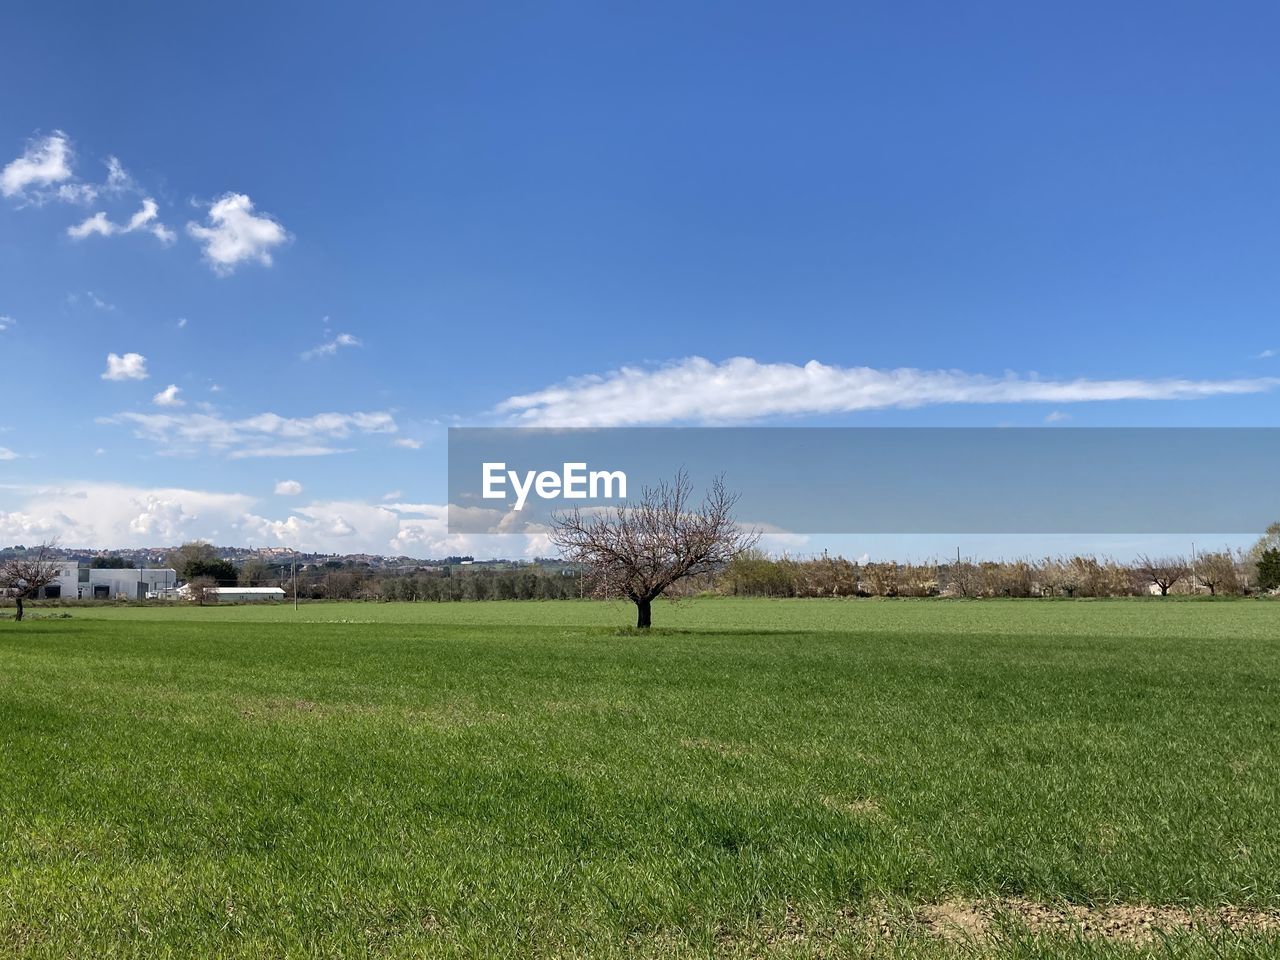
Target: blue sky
336, 231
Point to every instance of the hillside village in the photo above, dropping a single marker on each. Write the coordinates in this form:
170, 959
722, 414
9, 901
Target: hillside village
239, 574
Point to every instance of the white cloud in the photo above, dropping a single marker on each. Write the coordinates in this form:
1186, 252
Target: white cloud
168, 397
131, 366
145, 220
235, 234
109, 515
330, 347
1057, 416
96, 300
6, 323
407, 443
288, 450
98, 223
262, 435
342, 526
182, 322
1266, 354
118, 179
7, 454
288, 488
697, 390
115, 515
75, 192
44, 163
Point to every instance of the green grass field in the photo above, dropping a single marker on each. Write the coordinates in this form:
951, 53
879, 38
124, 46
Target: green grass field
756, 778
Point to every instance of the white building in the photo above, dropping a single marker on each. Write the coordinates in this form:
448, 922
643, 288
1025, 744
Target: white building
87, 583
239, 594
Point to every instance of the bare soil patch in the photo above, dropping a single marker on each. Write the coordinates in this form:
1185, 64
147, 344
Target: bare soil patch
1128, 923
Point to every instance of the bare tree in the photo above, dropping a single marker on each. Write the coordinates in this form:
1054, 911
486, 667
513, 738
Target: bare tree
1164, 572
203, 590
962, 578
638, 550
27, 575
1218, 572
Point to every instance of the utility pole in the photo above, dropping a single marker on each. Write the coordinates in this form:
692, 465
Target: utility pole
293, 575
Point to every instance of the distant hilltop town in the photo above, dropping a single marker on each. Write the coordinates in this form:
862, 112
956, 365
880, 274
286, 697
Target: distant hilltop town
145, 557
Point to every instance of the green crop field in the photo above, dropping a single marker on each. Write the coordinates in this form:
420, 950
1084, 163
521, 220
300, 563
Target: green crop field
755, 778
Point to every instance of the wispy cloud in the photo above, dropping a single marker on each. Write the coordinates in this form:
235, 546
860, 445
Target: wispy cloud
234, 234
46, 171
288, 488
408, 443
1057, 416
6, 323
262, 435
129, 366
1266, 354
330, 347
145, 220
45, 162
168, 397
695, 390
118, 179
7, 454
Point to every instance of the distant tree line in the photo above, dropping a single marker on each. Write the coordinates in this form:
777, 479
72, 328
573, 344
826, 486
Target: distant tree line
337, 580
200, 561
110, 563
750, 573
754, 573
1215, 573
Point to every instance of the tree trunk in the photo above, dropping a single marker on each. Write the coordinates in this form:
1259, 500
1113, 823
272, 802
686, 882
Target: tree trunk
1164, 591
644, 615
18, 615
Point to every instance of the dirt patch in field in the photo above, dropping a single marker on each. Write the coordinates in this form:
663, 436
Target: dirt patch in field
1128, 923
276, 707
863, 807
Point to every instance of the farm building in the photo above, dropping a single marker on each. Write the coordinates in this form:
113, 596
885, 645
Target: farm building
86, 583
239, 594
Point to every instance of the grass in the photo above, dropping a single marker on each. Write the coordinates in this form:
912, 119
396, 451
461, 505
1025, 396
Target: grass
755, 778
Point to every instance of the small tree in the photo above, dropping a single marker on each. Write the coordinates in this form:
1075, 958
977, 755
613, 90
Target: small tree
255, 573
200, 559
1218, 572
1269, 569
963, 579
110, 563
637, 551
203, 590
27, 575
1270, 540
1164, 572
